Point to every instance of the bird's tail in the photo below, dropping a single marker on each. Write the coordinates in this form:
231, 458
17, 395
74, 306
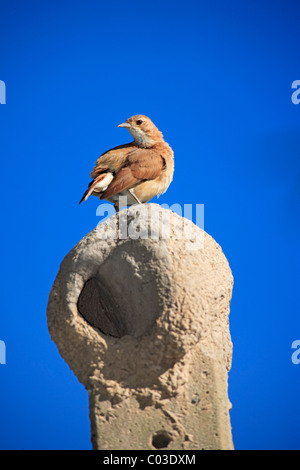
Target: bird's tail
98, 185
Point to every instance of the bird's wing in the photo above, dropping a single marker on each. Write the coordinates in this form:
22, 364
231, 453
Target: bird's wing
108, 163
141, 165
112, 160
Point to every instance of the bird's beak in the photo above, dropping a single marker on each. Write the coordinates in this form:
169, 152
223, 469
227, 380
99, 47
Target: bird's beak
124, 124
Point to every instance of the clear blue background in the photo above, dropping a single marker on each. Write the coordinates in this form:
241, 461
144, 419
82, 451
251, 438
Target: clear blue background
216, 79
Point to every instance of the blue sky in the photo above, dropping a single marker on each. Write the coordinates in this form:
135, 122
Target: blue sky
216, 79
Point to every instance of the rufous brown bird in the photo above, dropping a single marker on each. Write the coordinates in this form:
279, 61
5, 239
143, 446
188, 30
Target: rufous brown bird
139, 170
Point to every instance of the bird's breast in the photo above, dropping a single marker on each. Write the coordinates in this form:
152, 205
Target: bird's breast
149, 189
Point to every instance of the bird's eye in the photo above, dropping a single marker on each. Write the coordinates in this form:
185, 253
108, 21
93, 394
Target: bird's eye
139, 122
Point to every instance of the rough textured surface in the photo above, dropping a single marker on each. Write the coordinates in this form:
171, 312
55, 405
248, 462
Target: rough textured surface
143, 323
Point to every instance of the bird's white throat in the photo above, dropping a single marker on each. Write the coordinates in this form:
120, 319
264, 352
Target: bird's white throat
141, 138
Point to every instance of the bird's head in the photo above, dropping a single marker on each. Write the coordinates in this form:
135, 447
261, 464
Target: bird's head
142, 129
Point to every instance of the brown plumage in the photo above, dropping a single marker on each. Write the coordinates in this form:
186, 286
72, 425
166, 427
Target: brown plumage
139, 170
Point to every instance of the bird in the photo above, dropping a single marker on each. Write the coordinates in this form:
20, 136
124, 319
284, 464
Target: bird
139, 170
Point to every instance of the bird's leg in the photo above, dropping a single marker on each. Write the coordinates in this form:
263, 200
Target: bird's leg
117, 209
134, 196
